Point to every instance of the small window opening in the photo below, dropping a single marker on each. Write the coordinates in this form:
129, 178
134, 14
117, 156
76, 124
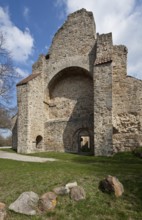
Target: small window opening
47, 56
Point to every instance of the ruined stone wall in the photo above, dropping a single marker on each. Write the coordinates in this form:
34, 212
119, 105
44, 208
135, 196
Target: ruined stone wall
36, 114
71, 97
75, 37
80, 89
72, 45
127, 105
63, 135
22, 125
66, 105
103, 96
30, 119
14, 132
30, 114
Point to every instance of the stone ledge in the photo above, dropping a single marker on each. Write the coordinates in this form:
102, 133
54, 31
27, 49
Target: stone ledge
103, 60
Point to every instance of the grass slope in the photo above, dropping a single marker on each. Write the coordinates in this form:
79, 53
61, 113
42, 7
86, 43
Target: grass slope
17, 177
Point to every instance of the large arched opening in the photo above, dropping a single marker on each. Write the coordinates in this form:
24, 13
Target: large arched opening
70, 108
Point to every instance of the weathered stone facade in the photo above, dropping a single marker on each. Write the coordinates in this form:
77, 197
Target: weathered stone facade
79, 97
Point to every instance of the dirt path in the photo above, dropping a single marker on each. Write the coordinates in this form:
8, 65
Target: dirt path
14, 156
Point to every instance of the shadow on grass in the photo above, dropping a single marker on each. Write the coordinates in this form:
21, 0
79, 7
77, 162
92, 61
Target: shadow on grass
120, 158
10, 150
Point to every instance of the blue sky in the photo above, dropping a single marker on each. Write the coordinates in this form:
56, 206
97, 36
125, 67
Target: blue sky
35, 22
29, 26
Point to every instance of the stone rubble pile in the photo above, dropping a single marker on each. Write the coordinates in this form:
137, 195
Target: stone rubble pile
29, 203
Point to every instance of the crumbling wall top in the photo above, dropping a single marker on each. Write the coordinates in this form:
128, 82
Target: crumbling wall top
76, 36
104, 48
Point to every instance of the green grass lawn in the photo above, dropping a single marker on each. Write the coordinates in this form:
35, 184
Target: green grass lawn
10, 150
17, 177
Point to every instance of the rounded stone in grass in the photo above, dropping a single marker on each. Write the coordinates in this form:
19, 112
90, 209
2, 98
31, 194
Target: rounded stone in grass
47, 202
2, 211
62, 190
77, 193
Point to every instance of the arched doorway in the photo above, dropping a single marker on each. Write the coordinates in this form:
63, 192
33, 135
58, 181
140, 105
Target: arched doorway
85, 141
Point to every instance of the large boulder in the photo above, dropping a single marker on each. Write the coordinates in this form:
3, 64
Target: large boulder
47, 202
111, 185
2, 211
77, 193
26, 203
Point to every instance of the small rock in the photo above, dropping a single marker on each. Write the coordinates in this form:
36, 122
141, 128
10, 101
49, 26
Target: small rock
2, 211
47, 202
111, 184
105, 186
68, 186
25, 204
77, 193
61, 190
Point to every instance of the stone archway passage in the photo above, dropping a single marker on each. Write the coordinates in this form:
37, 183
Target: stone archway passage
85, 141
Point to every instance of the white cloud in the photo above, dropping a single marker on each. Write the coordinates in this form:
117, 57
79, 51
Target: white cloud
26, 13
19, 42
122, 18
21, 73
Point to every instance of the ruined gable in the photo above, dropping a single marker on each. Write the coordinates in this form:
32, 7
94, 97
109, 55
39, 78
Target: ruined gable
76, 36
79, 98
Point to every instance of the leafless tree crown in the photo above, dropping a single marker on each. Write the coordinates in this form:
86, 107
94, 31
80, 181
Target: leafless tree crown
7, 72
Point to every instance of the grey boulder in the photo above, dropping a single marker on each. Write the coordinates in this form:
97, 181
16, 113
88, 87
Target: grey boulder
25, 204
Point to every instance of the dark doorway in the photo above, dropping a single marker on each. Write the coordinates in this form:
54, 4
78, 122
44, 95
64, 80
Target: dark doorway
85, 143
39, 141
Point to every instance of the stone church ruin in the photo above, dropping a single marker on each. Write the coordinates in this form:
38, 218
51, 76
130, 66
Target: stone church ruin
79, 98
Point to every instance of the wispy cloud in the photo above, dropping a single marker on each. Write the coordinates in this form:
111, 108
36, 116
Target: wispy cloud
21, 72
26, 13
122, 18
19, 42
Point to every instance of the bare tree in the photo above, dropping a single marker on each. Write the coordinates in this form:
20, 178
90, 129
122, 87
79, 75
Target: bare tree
5, 121
7, 72
8, 77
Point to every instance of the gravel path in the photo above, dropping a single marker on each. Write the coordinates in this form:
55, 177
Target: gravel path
14, 156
